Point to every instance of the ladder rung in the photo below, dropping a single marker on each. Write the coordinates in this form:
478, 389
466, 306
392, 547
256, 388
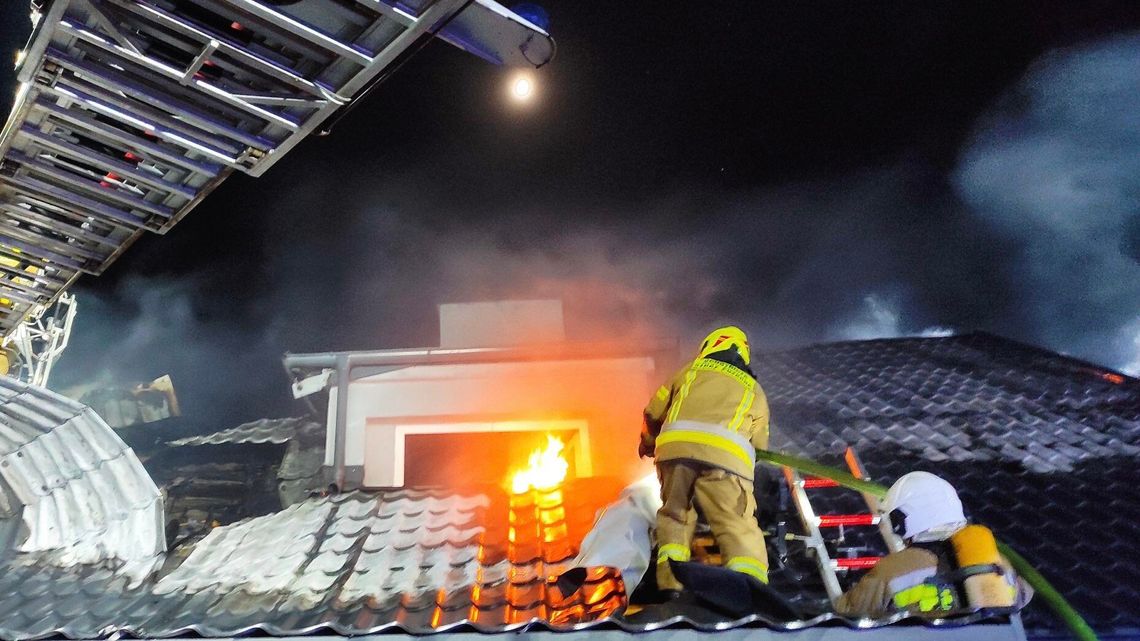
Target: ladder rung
813, 482
836, 520
856, 563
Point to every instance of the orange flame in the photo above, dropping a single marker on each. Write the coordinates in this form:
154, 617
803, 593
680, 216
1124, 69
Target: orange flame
545, 470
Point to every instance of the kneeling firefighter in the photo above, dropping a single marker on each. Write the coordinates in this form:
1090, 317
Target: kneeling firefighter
947, 565
703, 427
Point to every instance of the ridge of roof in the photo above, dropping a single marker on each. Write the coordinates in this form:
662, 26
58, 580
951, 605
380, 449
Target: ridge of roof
975, 336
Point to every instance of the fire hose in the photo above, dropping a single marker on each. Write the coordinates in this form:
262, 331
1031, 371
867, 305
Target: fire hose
1053, 599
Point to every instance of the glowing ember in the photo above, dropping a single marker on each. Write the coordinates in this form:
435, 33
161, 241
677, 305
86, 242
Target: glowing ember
545, 470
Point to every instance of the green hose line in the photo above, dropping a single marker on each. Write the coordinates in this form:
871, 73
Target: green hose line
1057, 603
1044, 590
808, 466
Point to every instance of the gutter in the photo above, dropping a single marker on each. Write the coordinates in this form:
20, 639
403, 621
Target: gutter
452, 356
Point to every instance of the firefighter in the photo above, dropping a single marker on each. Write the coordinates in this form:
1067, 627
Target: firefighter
946, 564
703, 427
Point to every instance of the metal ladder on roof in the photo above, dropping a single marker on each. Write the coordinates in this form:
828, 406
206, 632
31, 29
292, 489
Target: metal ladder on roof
814, 523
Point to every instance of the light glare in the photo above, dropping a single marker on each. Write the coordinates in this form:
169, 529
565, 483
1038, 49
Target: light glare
522, 88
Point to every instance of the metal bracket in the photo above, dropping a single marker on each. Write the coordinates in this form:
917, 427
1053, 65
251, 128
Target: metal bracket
312, 384
39, 342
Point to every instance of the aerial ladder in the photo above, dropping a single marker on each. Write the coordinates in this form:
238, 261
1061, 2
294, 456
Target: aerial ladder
128, 113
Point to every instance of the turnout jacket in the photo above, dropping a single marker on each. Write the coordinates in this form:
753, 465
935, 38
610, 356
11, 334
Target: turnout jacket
874, 595
713, 412
908, 580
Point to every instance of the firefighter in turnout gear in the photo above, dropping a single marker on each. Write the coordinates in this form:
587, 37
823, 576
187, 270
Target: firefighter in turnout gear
703, 427
947, 566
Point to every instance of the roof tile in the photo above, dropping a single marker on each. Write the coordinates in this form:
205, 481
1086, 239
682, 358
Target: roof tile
1043, 448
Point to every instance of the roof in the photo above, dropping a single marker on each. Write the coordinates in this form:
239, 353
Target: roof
357, 563
420, 560
70, 490
260, 431
227, 476
1044, 449
354, 563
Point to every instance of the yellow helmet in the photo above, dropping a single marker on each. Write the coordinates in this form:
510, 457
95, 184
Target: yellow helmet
724, 338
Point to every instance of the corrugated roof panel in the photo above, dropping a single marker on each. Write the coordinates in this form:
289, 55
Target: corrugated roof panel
360, 563
355, 563
280, 430
83, 494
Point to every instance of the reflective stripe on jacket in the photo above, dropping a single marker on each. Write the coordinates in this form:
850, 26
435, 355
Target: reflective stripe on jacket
711, 412
917, 581
895, 583
918, 592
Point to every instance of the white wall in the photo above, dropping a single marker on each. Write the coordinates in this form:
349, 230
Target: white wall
608, 394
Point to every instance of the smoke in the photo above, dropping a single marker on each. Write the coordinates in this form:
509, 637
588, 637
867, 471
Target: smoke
149, 326
785, 263
1035, 235
878, 319
832, 258
1054, 170
881, 318
835, 258
1132, 366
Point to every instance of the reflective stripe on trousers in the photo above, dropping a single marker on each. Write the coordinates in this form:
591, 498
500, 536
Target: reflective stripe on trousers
749, 565
673, 552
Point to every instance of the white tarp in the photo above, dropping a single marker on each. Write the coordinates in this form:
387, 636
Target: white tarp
620, 537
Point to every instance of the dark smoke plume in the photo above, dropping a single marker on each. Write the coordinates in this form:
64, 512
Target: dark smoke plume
1035, 236
1054, 171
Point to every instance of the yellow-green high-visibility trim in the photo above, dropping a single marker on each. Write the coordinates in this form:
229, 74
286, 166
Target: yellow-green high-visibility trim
673, 552
707, 438
681, 395
926, 596
741, 409
735, 373
750, 566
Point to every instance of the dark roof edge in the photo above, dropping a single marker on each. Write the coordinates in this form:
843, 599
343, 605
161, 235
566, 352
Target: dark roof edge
1080, 363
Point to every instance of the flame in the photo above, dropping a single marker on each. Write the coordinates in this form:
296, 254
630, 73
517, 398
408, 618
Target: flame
545, 470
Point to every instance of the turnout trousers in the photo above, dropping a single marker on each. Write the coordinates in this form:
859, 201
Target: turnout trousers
728, 503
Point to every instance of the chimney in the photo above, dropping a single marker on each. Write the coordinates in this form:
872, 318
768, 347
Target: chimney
506, 323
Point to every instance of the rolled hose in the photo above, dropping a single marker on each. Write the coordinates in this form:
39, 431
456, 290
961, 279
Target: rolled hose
1044, 590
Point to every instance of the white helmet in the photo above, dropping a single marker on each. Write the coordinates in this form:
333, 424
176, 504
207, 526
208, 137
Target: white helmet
923, 507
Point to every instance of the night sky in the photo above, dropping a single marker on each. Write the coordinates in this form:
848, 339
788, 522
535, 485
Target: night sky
811, 171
